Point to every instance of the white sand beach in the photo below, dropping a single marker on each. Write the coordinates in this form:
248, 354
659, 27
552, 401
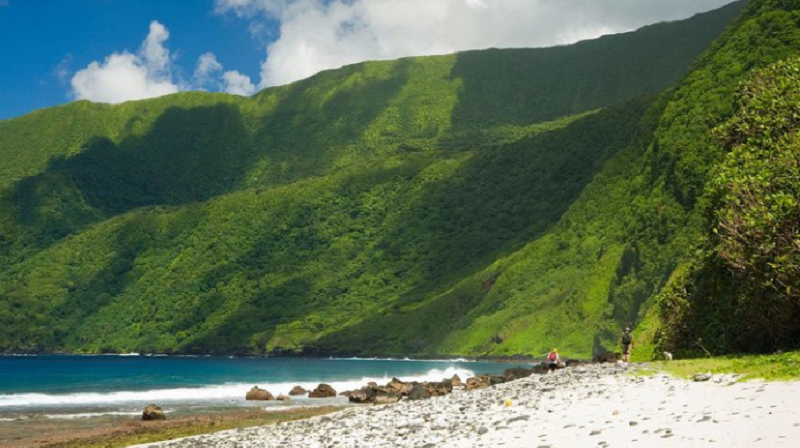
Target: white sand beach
588, 406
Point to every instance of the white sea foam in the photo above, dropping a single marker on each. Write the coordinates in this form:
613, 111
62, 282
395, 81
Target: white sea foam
225, 392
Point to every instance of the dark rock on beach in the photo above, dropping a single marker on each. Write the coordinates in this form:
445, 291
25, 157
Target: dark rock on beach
258, 394
322, 391
418, 392
297, 390
153, 412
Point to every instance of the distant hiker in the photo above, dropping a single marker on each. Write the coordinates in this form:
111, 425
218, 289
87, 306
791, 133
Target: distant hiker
553, 360
627, 344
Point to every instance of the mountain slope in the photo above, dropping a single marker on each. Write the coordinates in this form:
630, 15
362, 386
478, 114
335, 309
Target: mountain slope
474, 203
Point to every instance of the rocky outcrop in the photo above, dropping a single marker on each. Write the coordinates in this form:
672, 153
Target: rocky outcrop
456, 382
153, 412
418, 392
297, 390
282, 397
322, 391
258, 394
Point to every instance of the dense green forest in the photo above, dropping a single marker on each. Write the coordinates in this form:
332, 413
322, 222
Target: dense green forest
487, 202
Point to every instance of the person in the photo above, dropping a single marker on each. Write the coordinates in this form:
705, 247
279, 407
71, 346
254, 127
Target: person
553, 360
627, 344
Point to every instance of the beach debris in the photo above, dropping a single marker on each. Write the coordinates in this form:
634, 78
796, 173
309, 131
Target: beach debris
322, 391
153, 412
297, 390
258, 394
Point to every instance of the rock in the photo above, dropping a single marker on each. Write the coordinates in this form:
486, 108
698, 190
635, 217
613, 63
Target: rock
418, 392
456, 381
282, 397
439, 389
594, 433
702, 377
258, 394
322, 391
363, 395
153, 412
297, 390
496, 379
478, 382
482, 430
386, 399
633, 423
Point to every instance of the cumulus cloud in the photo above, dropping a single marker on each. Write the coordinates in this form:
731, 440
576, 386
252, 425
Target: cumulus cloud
208, 69
321, 34
238, 84
126, 76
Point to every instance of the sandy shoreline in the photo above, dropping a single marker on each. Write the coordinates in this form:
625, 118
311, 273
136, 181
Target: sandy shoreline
596, 405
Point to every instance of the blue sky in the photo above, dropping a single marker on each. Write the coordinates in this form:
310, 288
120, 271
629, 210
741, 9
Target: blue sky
40, 36
55, 51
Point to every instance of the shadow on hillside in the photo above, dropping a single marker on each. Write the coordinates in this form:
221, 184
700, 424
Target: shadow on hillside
189, 155
524, 86
320, 118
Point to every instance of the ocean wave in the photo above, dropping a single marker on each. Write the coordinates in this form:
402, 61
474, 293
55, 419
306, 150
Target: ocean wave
459, 360
223, 392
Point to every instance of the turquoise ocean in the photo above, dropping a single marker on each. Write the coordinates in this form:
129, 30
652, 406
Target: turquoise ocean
81, 386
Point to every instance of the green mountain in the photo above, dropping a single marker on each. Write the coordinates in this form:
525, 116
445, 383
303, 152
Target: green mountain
487, 202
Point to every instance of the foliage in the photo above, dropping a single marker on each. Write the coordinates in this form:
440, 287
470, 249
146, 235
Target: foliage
742, 293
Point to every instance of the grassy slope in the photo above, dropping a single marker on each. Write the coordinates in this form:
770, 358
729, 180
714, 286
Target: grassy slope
776, 367
347, 209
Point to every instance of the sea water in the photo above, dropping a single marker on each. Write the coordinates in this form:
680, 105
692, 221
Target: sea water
76, 387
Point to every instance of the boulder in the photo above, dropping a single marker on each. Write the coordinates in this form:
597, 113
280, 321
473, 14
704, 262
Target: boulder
322, 391
439, 389
478, 382
456, 381
418, 392
297, 390
153, 412
282, 397
363, 395
396, 386
386, 399
496, 379
258, 394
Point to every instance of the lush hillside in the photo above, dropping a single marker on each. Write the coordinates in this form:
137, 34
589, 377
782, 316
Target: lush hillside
499, 201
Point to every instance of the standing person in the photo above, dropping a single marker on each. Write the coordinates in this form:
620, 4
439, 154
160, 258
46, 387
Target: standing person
627, 344
553, 360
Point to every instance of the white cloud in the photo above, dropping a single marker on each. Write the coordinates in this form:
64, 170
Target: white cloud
321, 34
125, 76
238, 84
207, 69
